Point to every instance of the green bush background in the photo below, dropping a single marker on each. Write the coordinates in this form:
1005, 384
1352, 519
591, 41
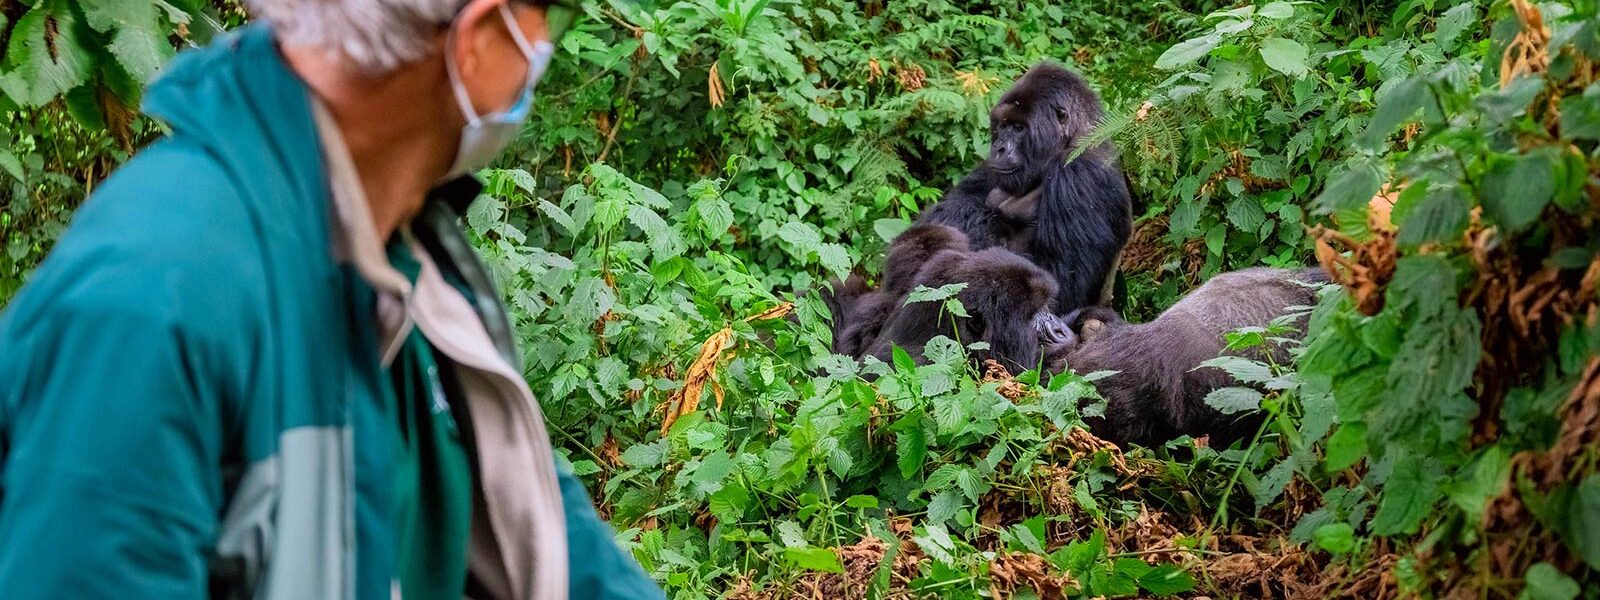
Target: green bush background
695, 163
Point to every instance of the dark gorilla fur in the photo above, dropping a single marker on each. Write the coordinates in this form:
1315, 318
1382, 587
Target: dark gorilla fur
1158, 394
859, 312
1071, 219
1006, 298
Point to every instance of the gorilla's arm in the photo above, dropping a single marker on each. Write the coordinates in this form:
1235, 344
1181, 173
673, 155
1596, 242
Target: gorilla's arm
965, 208
1086, 209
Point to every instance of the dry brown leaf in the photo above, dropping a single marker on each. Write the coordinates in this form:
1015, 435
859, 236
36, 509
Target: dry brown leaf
702, 372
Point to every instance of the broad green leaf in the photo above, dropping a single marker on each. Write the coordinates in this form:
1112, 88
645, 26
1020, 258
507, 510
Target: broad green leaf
559, 216
888, 229
1454, 22
1516, 189
1352, 186
1187, 52
11, 166
45, 56
1580, 115
802, 235
1347, 446
1336, 538
644, 456
1241, 368
1276, 10
1441, 216
1486, 479
716, 216
822, 560
943, 506
1166, 580
1408, 497
1583, 522
1395, 107
1233, 400
1545, 582
1285, 56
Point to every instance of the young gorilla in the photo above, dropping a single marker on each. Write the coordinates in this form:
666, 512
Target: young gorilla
1158, 393
1007, 300
1071, 219
859, 312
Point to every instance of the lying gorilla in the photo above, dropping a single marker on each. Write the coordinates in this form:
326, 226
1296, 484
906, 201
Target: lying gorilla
1007, 300
1158, 393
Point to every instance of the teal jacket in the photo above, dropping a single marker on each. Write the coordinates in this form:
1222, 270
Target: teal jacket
186, 379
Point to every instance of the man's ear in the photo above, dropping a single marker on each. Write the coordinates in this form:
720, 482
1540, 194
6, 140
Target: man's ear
475, 24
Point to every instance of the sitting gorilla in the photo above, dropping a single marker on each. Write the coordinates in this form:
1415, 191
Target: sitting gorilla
1070, 218
1007, 300
1158, 393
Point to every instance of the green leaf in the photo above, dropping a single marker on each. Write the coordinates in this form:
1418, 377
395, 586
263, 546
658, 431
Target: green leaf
559, 216
716, 216
1353, 186
1442, 215
814, 559
1583, 522
1580, 115
888, 229
927, 294
1408, 497
1187, 52
1454, 22
1241, 368
802, 236
1233, 400
1285, 56
1516, 190
1345, 447
1545, 582
1276, 10
1484, 481
45, 56
911, 449
1396, 106
860, 501
11, 166
1166, 580
944, 506
835, 258
1336, 538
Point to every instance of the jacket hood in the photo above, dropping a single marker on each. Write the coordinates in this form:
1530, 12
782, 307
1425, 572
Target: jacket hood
237, 100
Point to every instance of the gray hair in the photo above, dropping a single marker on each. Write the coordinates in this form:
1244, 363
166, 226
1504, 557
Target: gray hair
374, 36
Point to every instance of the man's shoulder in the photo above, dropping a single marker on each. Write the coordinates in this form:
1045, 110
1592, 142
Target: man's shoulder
168, 236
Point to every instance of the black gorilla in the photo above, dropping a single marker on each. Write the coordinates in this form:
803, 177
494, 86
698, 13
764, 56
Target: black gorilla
860, 312
1007, 300
1158, 393
1071, 219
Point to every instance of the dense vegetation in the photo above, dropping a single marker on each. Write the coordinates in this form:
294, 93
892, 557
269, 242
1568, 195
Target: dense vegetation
696, 166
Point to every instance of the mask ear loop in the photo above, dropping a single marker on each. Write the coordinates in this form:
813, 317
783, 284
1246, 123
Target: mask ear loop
456, 86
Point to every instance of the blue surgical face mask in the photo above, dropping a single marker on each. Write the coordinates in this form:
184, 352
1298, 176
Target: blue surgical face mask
485, 136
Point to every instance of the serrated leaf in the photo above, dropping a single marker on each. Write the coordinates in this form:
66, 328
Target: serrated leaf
801, 235
1240, 368
911, 449
1285, 56
45, 57
644, 456
942, 350
1408, 497
1396, 106
1516, 189
716, 216
559, 216
1353, 186
1188, 52
1233, 400
1276, 10
927, 294
1454, 22
1167, 580
1580, 115
835, 258
944, 506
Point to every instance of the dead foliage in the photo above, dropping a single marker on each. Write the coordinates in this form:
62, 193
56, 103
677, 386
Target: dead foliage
703, 370
1010, 388
1528, 53
1367, 269
1011, 571
912, 77
714, 90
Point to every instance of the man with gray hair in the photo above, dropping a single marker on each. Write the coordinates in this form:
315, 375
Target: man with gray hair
263, 362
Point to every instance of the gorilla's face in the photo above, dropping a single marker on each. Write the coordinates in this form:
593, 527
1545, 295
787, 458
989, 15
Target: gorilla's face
1024, 142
